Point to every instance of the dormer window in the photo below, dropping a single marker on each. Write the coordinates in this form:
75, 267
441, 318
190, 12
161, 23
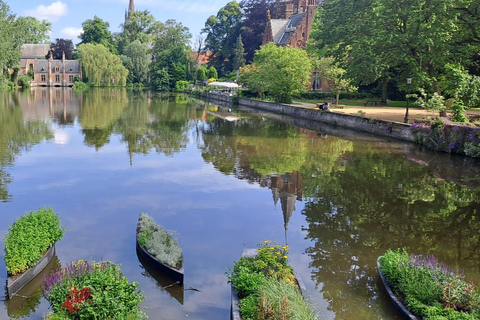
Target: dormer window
57, 69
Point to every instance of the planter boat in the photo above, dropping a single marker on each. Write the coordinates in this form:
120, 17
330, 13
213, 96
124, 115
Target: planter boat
161, 280
14, 284
400, 306
25, 301
174, 273
235, 309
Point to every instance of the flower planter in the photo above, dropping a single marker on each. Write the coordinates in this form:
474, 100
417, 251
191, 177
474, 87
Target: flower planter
173, 273
14, 284
235, 310
392, 295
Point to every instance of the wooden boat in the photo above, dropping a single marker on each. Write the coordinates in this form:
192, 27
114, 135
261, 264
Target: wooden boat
162, 281
173, 273
14, 284
235, 309
392, 295
25, 301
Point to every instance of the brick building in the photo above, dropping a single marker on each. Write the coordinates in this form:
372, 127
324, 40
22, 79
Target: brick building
48, 72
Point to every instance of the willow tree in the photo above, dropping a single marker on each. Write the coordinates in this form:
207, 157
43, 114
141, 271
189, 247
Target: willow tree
101, 67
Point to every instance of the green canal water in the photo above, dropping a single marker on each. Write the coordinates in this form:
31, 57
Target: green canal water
225, 180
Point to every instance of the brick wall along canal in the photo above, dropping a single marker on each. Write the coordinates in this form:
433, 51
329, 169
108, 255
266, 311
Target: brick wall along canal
225, 181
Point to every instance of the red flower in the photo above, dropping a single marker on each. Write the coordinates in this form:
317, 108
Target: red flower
76, 298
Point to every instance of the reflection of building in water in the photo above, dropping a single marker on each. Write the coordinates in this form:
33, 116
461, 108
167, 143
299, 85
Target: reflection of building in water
286, 187
57, 103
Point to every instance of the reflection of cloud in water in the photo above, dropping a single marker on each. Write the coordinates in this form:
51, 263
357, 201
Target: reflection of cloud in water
58, 184
153, 202
61, 137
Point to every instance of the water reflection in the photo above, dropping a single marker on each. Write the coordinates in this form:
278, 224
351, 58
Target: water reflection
225, 180
27, 300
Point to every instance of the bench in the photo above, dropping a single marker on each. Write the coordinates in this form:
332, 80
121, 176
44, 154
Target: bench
372, 102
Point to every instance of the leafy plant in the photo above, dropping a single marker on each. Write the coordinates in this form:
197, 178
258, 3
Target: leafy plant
158, 242
89, 290
267, 287
428, 288
29, 237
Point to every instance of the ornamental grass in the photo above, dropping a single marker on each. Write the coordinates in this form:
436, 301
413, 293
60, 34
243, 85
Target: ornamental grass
429, 289
158, 242
267, 287
89, 290
29, 238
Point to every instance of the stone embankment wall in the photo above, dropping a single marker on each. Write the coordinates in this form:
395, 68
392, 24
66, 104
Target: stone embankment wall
382, 128
450, 138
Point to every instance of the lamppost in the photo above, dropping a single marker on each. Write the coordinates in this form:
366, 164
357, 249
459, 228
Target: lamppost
409, 82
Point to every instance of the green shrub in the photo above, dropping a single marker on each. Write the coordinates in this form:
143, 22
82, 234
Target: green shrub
24, 82
158, 242
267, 287
79, 85
181, 86
88, 290
429, 289
29, 237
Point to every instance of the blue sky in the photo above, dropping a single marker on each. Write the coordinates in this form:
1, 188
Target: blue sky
67, 16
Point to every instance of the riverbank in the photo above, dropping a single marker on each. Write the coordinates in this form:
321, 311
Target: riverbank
438, 135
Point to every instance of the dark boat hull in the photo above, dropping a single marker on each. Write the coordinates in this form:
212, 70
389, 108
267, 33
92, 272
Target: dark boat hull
393, 297
174, 274
14, 285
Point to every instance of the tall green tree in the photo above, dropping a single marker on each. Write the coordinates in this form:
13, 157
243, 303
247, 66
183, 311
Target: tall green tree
222, 32
101, 66
141, 26
171, 52
239, 58
283, 71
329, 71
96, 31
9, 43
31, 30
136, 59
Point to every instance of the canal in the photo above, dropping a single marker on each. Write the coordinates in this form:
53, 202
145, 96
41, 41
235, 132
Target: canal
225, 180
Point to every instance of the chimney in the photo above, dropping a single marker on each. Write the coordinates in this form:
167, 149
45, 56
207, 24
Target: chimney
63, 56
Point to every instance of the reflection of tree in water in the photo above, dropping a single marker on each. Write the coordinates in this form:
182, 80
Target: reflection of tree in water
157, 122
100, 110
368, 202
275, 155
16, 136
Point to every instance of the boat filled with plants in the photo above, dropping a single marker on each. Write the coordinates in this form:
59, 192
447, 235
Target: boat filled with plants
159, 248
89, 290
423, 288
29, 246
264, 286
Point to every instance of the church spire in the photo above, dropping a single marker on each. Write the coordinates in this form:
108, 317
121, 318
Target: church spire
131, 8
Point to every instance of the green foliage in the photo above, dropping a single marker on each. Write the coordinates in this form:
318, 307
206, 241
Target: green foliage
182, 86
79, 85
280, 71
29, 237
212, 73
33, 31
101, 66
96, 32
429, 289
222, 32
201, 73
265, 280
136, 59
158, 242
435, 103
24, 81
107, 294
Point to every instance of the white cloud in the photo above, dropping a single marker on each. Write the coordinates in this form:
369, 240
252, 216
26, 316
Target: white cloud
50, 13
71, 32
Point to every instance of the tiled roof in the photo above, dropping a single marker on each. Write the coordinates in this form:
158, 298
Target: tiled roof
32, 51
71, 66
289, 28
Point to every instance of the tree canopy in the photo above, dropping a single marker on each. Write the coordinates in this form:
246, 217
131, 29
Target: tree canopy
96, 31
101, 66
62, 46
282, 71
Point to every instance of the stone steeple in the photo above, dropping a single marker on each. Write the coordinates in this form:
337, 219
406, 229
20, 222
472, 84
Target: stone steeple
131, 8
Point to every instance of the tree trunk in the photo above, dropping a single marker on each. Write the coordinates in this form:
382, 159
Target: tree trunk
384, 90
337, 98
